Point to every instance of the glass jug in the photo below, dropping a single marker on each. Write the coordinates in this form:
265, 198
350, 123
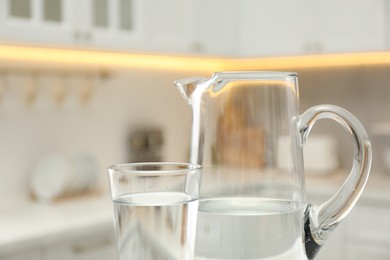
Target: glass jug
248, 136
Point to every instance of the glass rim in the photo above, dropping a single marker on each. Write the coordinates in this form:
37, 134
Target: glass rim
178, 168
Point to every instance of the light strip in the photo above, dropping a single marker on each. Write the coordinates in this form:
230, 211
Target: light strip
314, 61
105, 59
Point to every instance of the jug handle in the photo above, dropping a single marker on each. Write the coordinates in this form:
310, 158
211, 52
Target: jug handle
322, 219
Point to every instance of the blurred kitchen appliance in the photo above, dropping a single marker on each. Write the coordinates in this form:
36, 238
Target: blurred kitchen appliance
320, 154
145, 144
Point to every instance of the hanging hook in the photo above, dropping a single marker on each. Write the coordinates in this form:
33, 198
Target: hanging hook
3, 84
59, 92
31, 88
86, 89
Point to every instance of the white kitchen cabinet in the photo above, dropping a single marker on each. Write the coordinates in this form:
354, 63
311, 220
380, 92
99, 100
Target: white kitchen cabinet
363, 234
192, 26
250, 28
171, 26
35, 254
112, 24
90, 247
365, 252
349, 25
270, 28
167, 25
386, 9
98, 247
91, 23
215, 27
36, 21
369, 232
334, 247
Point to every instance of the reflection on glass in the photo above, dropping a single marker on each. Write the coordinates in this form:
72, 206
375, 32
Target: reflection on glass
100, 13
125, 14
20, 8
240, 134
52, 10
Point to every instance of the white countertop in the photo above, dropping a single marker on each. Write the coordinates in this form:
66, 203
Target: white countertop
25, 223
377, 190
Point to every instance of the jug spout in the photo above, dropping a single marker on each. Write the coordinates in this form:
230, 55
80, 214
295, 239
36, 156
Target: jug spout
187, 87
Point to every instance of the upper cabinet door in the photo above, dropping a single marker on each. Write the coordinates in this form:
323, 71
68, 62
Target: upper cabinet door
350, 25
167, 25
110, 24
294, 27
249, 28
191, 26
114, 24
273, 28
36, 21
215, 27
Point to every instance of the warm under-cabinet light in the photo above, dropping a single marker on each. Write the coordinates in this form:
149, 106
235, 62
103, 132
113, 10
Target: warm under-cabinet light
105, 59
314, 61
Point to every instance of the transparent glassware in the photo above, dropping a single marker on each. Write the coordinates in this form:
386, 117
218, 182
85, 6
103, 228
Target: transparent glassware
155, 209
249, 138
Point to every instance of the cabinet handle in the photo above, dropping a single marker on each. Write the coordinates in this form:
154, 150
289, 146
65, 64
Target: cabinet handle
313, 47
87, 36
76, 35
308, 47
197, 47
80, 249
82, 36
319, 48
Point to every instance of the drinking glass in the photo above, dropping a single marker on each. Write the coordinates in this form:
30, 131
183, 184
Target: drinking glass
155, 209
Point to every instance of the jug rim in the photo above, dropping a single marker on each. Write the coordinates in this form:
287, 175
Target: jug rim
255, 74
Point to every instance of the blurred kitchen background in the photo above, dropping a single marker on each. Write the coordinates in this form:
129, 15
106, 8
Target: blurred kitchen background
87, 84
